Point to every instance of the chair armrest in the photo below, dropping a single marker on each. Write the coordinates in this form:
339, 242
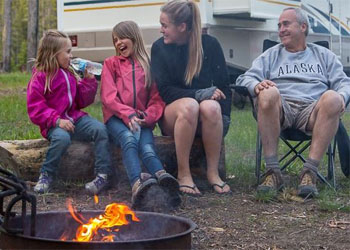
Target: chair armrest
240, 89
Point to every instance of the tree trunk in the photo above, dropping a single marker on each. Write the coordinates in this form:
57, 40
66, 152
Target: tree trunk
32, 32
6, 37
26, 157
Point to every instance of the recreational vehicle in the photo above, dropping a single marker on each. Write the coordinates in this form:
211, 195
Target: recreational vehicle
239, 25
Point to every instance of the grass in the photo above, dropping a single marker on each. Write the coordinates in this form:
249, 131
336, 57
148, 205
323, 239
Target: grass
239, 145
14, 80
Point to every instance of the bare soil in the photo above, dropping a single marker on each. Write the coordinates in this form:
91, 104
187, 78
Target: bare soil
236, 221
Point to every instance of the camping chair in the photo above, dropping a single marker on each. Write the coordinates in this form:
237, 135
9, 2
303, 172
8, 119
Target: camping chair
302, 141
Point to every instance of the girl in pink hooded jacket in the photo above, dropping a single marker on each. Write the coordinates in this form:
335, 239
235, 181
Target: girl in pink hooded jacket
131, 108
55, 96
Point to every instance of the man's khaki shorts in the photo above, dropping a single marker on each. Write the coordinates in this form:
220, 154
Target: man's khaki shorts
295, 113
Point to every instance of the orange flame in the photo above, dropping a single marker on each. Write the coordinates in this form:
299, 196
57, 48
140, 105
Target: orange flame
96, 199
114, 216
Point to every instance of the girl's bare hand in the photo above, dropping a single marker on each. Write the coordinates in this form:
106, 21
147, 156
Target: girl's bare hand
88, 75
66, 125
134, 124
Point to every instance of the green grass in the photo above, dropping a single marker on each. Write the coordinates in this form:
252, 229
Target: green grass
14, 80
14, 121
239, 144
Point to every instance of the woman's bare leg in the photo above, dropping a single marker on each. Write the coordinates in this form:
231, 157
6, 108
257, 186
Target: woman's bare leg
180, 121
211, 121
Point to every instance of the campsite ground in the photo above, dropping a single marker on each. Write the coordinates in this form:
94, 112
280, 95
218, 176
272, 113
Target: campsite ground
237, 221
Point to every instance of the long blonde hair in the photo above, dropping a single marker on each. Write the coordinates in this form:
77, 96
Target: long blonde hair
50, 45
130, 30
180, 11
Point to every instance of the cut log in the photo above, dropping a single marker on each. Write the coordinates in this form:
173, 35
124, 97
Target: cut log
26, 157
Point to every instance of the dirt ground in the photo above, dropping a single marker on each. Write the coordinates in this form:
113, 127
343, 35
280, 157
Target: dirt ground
236, 221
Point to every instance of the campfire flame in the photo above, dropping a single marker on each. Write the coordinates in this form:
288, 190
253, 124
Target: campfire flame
113, 217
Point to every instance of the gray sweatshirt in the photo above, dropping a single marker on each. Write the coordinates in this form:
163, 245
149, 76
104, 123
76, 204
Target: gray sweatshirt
304, 75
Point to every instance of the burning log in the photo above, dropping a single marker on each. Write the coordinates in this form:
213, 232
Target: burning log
24, 157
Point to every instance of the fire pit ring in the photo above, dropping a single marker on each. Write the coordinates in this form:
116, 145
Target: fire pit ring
154, 231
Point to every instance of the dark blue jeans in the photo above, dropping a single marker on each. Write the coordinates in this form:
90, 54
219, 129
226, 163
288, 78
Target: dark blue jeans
121, 135
86, 129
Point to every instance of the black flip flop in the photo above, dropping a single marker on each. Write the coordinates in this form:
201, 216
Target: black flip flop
221, 187
190, 187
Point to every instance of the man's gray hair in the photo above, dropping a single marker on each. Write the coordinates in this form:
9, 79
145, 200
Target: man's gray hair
301, 18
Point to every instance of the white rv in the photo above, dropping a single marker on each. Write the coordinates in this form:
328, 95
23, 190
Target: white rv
239, 25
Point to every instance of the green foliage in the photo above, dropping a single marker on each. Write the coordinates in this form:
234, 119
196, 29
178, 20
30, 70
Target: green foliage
19, 34
1, 26
47, 16
47, 20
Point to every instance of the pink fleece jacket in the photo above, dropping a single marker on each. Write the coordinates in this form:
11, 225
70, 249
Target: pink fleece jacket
66, 98
123, 92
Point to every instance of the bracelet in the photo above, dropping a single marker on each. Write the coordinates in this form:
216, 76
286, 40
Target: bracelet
58, 122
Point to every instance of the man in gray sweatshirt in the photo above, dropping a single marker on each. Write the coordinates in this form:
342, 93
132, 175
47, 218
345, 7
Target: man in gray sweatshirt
299, 85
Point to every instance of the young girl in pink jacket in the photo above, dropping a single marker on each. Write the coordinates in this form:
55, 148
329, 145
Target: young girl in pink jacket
55, 96
131, 108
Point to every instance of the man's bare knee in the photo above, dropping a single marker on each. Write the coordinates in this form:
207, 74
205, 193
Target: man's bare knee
331, 102
268, 98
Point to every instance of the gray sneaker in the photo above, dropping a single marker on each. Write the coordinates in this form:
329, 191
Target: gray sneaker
44, 183
97, 185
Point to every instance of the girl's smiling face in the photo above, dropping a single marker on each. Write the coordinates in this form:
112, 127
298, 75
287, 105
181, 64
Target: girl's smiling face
124, 46
65, 55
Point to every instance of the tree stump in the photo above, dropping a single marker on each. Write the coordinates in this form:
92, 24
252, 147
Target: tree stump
25, 159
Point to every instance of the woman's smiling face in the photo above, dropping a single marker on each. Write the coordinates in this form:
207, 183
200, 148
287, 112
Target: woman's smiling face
172, 33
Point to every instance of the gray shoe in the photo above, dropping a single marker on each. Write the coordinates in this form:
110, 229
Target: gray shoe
44, 183
97, 185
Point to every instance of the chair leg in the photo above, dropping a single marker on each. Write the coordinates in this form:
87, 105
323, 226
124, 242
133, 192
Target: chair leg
258, 157
330, 180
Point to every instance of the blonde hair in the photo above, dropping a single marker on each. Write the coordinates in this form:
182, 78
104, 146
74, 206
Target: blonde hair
50, 45
130, 30
180, 11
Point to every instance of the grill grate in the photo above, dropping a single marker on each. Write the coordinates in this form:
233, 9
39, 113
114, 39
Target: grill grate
16, 190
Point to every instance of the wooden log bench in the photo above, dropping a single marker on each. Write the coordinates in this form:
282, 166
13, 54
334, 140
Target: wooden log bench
26, 156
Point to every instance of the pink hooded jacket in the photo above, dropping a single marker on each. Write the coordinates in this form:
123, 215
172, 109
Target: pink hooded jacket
123, 92
64, 101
